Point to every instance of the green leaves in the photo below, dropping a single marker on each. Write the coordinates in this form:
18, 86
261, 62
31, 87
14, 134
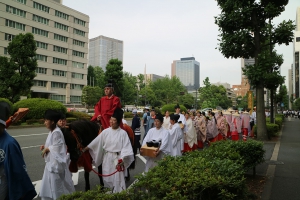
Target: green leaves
91, 95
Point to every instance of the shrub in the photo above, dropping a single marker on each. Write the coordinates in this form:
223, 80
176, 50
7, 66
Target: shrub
31, 121
278, 121
272, 130
78, 115
38, 106
70, 119
41, 121
280, 116
10, 104
128, 115
171, 109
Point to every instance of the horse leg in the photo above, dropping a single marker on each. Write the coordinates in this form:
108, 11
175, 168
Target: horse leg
87, 180
100, 177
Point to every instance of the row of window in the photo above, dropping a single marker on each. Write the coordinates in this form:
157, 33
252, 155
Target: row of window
61, 15
79, 32
41, 57
22, 1
15, 11
79, 21
61, 26
76, 87
59, 73
57, 85
77, 75
41, 45
14, 24
79, 43
60, 49
78, 53
60, 61
60, 37
41, 70
40, 32
77, 64
40, 19
62, 98
41, 7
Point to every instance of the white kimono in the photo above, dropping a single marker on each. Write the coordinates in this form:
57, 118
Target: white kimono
176, 137
184, 130
190, 135
166, 123
162, 135
57, 178
106, 149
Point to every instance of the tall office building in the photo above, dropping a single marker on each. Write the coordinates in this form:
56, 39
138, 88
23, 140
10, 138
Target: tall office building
61, 35
102, 49
188, 72
296, 44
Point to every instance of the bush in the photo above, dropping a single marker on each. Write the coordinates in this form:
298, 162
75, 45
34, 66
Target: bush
31, 121
272, 130
78, 115
280, 116
10, 104
70, 119
278, 121
171, 109
128, 115
38, 106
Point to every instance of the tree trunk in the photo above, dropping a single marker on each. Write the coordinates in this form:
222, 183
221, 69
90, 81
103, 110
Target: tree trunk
272, 107
260, 113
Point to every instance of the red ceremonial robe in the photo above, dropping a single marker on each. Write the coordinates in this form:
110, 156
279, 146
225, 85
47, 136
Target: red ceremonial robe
106, 107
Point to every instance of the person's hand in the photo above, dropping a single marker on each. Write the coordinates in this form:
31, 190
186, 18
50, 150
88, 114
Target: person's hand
99, 117
42, 147
44, 152
85, 149
156, 152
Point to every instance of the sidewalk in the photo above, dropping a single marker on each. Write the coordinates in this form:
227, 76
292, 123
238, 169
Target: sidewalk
282, 166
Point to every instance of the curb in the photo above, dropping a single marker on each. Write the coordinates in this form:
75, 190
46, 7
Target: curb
26, 126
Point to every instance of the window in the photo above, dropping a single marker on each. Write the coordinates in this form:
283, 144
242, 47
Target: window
40, 32
22, 1
78, 53
41, 7
61, 15
60, 98
5, 51
60, 49
41, 45
9, 37
41, 70
60, 61
79, 32
76, 87
41, 57
75, 99
58, 85
59, 73
15, 11
40, 19
61, 26
297, 39
14, 24
60, 37
77, 65
39, 83
76, 75
79, 21
79, 43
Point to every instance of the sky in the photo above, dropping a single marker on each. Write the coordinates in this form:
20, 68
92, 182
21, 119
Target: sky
156, 32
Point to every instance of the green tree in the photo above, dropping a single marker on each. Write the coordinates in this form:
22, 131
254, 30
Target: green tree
141, 81
99, 77
91, 76
130, 83
187, 100
247, 31
114, 72
18, 71
282, 97
242, 102
91, 95
148, 96
296, 104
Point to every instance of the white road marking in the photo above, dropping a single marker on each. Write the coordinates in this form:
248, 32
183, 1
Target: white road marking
30, 135
141, 157
30, 147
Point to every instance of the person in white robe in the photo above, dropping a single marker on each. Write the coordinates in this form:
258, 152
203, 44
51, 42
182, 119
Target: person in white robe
158, 133
190, 137
182, 120
57, 179
107, 148
166, 123
175, 135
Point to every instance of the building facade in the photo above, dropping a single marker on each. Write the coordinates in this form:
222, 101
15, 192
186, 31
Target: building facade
296, 50
244, 87
102, 49
188, 72
153, 77
61, 35
290, 86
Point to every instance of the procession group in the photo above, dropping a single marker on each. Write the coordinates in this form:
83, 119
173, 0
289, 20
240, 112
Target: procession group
112, 148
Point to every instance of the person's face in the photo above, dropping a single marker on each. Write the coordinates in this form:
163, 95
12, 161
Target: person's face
157, 123
167, 113
172, 121
187, 116
49, 124
113, 123
152, 113
108, 91
61, 123
192, 117
177, 110
198, 114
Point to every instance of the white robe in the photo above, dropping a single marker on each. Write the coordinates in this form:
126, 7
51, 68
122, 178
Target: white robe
190, 135
106, 149
166, 124
162, 135
184, 130
57, 178
176, 137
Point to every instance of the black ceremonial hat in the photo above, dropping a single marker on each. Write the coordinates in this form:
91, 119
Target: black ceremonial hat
177, 106
52, 115
160, 117
118, 114
4, 112
109, 83
174, 117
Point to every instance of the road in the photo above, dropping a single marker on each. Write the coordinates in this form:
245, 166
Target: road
30, 140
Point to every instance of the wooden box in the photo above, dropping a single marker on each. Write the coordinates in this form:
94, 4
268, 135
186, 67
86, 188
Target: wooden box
148, 151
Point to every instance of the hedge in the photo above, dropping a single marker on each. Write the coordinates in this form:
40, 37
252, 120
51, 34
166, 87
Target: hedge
10, 104
70, 119
38, 106
216, 172
278, 121
171, 109
78, 115
272, 130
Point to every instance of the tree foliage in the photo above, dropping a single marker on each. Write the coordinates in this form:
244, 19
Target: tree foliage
296, 104
91, 76
18, 71
246, 31
282, 97
99, 77
114, 72
131, 92
91, 95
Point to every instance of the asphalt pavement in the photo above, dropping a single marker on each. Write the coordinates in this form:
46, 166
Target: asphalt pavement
30, 140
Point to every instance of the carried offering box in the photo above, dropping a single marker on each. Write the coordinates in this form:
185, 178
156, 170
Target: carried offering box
149, 151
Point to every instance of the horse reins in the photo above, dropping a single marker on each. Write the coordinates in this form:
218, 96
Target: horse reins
80, 147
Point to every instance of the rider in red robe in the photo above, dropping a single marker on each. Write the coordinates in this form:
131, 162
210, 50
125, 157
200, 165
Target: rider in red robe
106, 107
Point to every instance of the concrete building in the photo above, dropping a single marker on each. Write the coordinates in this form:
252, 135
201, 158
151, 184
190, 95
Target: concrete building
231, 96
61, 35
188, 72
226, 85
102, 49
153, 77
296, 50
244, 87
